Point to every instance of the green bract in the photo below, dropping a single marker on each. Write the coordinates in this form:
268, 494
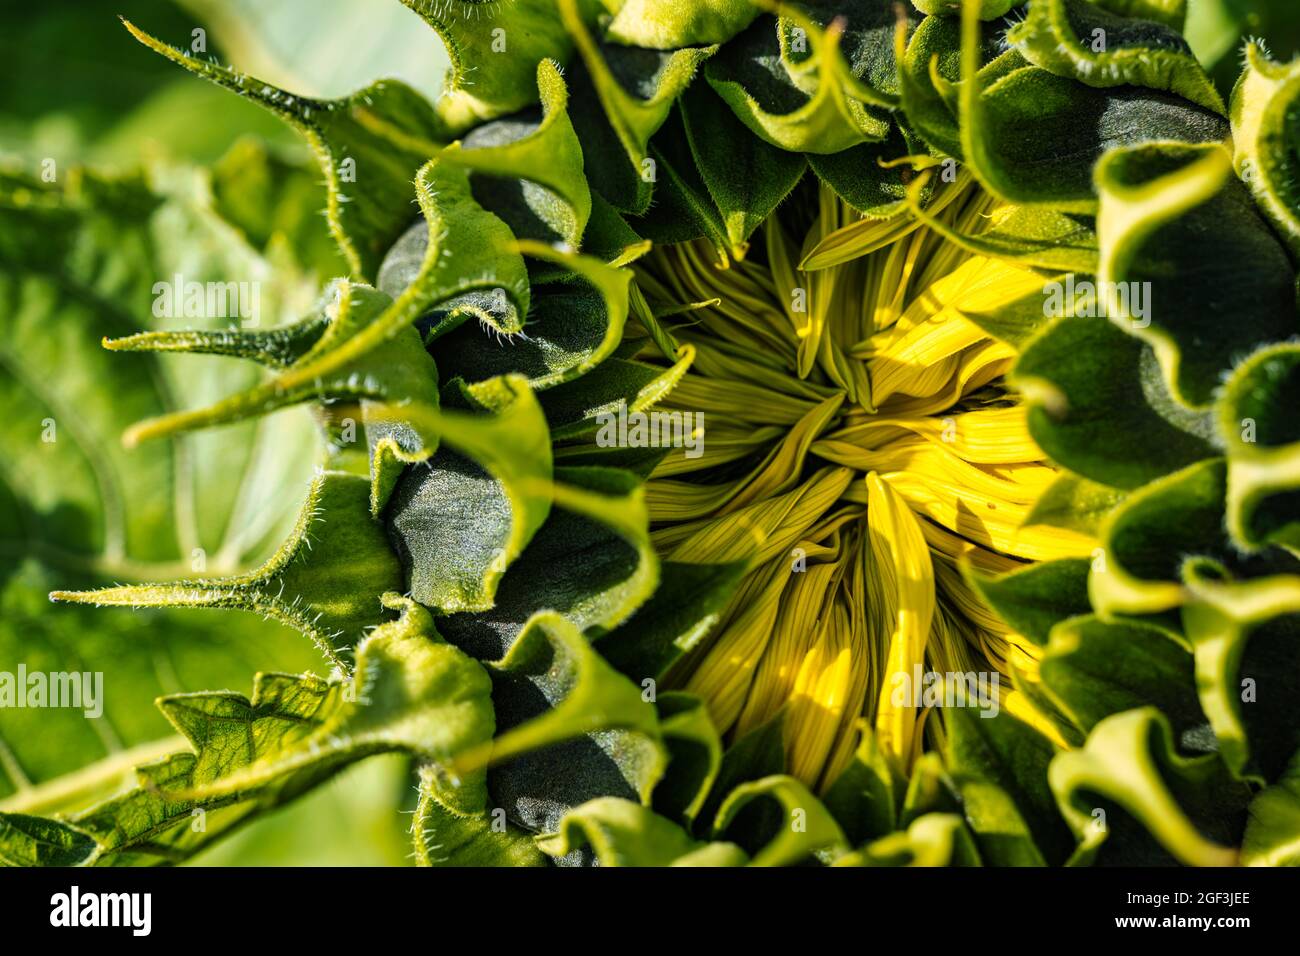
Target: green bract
482, 573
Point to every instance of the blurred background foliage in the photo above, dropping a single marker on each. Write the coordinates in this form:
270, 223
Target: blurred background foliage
76, 88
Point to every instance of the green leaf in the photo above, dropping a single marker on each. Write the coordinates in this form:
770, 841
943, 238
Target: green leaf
323, 581
694, 756
746, 177
779, 821
572, 728
864, 797
35, 841
1094, 669
80, 261
272, 199
1075, 39
1263, 447
1272, 835
1120, 429
677, 617
1263, 137
1074, 503
459, 520
528, 170
1244, 638
1032, 600
1173, 234
620, 101
71, 511
669, 24
999, 765
623, 833
1033, 137
369, 146
411, 692
1129, 796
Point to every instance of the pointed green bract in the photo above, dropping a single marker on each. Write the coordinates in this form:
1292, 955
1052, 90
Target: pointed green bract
1272, 835
325, 580
623, 833
935, 839
1181, 246
1243, 636
397, 370
1129, 771
681, 613
472, 834
669, 24
572, 728
1263, 136
459, 520
1145, 540
1031, 136
551, 200
1121, 429
1035, 599
1075, 503
411, 692
493, 48
1263, 447
694, 756
572, 327
808, 105
999, 766
1075, 39
1095, 669
369, 145
635, 89
746, 178
864, 798
793, 821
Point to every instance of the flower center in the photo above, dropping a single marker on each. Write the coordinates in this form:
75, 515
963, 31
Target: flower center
860, 448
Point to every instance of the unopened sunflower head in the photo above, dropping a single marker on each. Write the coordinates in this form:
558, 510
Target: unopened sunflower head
861, 447
840, 431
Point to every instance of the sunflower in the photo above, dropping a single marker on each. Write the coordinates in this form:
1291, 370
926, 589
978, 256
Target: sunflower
861, 447
980, 544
